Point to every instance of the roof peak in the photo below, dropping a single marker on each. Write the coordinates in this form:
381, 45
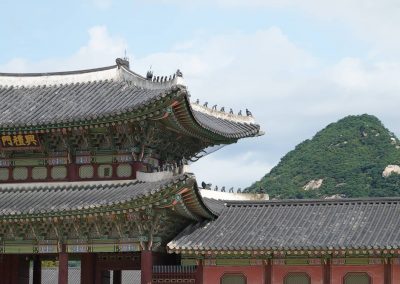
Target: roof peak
118, 72
292, 202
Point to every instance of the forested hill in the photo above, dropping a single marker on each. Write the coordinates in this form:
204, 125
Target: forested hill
354, 157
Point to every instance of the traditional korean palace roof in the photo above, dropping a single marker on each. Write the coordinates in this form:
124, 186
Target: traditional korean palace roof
297, 226
112, 213
38, 102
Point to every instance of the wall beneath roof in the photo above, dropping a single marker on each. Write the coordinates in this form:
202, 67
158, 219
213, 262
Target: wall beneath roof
375, 271
396, 271
213, 274
256, 274
315, 272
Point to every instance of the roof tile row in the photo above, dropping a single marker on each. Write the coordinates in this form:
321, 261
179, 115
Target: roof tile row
296, 225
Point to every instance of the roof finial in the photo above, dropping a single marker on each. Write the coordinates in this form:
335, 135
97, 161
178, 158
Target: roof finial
122, 62
179, 73
149, 74
248, 113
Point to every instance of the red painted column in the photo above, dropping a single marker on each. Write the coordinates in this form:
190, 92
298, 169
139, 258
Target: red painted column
117, 277
72, 171
37, 270
7, 269
268, 271
146, 265
63, 266
199, 272
388, 271
327, 270
88, 268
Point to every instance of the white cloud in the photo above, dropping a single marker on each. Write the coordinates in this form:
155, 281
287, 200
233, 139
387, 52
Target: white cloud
101, 50
376, 22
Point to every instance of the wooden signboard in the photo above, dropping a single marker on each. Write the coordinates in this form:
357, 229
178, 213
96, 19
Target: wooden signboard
19, 142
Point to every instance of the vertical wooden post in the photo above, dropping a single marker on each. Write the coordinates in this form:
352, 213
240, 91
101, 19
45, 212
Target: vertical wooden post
146, 265
10, 269
23, 270
327, 270
63, 265
117, 277
268, 271
37, 270
72, 171
88, 268
199, 272
388, 271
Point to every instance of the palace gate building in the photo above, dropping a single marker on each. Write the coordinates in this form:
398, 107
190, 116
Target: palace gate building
93, 171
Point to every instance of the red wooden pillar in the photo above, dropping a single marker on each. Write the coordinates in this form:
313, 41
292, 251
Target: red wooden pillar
268, 271
72, 171
63, 266
37, 270
199, 272
88, 268
117, 277
146, 265
327, 270
9, 269
388, 271
14, 269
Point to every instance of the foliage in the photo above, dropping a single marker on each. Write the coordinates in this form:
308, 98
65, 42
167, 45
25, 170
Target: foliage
349, 155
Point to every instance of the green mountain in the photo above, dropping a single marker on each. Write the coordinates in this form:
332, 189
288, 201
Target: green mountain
354, 157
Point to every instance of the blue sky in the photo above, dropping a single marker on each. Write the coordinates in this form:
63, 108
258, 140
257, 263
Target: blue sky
298, 65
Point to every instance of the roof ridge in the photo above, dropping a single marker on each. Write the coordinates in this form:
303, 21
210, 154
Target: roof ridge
232, 203
118, 72
32, 80
39, 74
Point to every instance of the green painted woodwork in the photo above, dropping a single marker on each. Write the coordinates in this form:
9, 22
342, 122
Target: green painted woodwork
233, 278
27, 162
103, 159
232, 261
104, 248
296, 261
188, 261
357, 261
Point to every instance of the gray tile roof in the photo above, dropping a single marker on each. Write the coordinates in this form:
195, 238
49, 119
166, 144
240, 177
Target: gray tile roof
41, 105
215, 205
32, 100
31, 200
226, 127
294, 225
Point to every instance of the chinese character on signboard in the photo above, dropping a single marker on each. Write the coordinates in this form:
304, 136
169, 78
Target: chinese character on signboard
19, 141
